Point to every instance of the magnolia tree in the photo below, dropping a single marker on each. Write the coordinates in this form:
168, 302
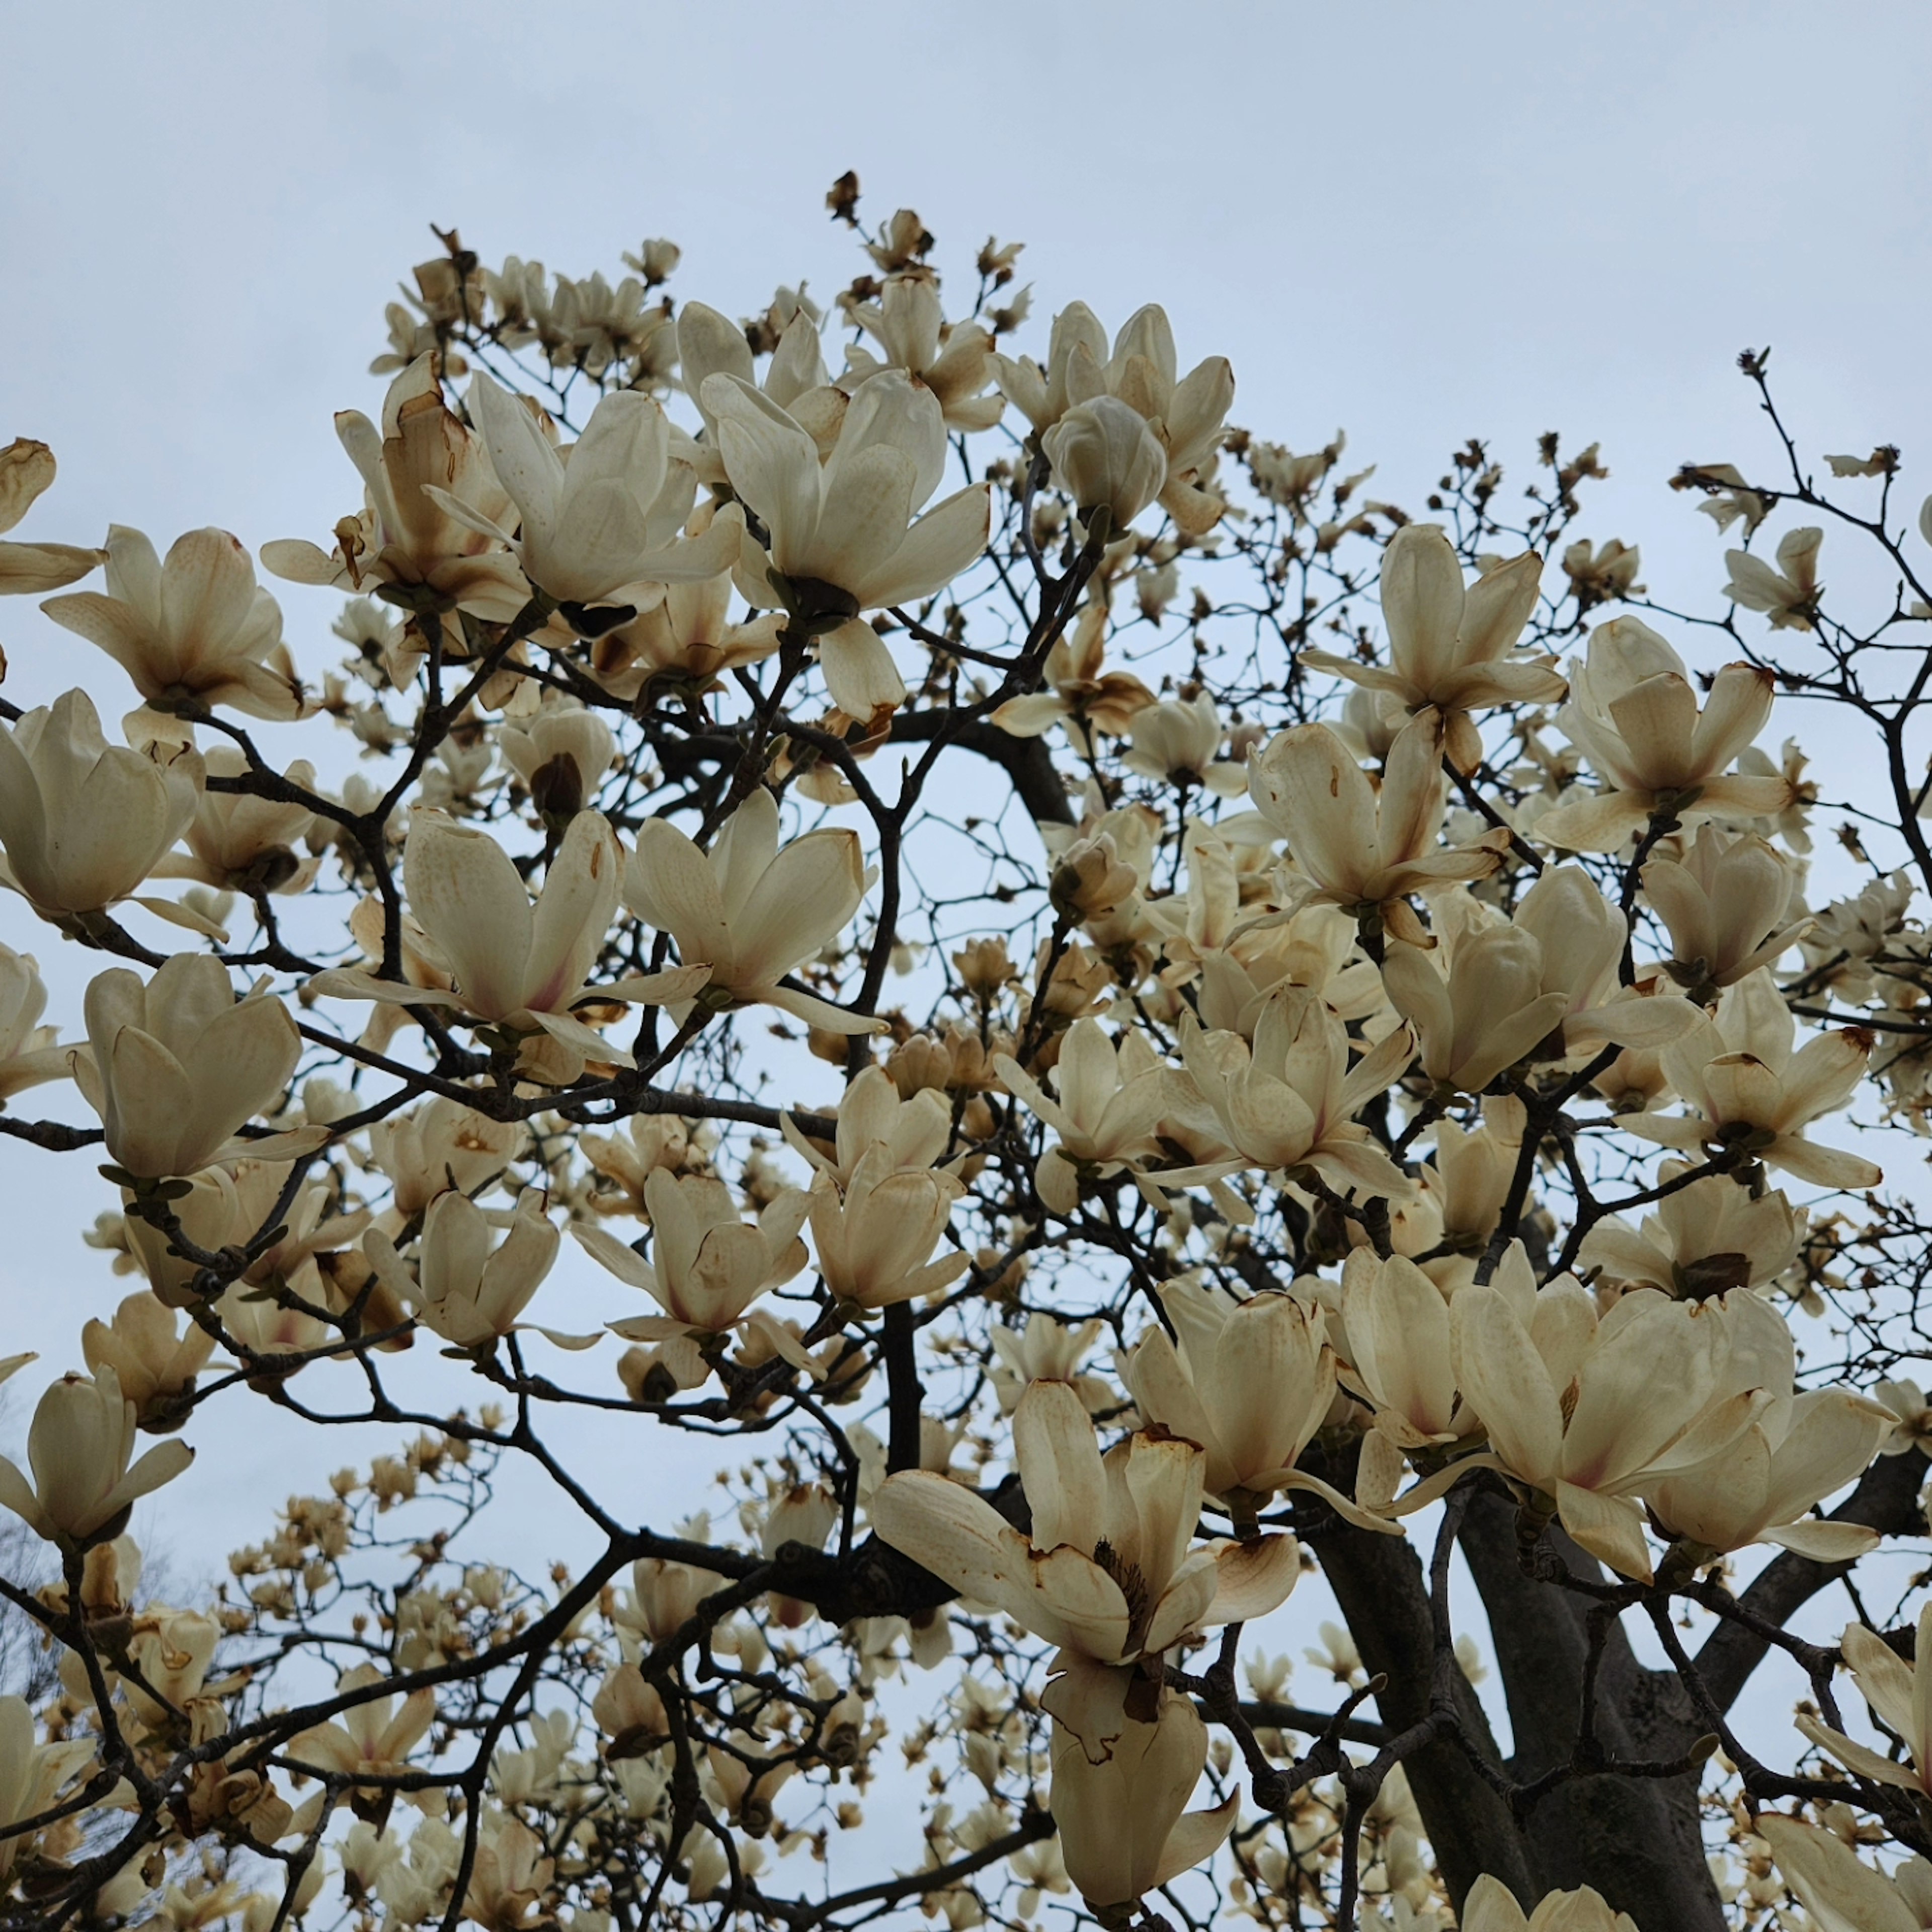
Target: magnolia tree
1109, 1025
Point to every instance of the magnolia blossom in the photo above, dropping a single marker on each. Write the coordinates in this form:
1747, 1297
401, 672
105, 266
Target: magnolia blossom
1492, 1907
1396, 1321
1900, 1696
1251, 1381
913, 1130
1448, 646
875, 1234
684, 643
1289, 1100
83, 821
1185, 414
1483, 1013
238, 842
28, 1054
1082, 693
1123, 1824
1714, 1235
747, 913
1754, 1094
708, 1265
1363, 851
26, 469
464, 1290
510, 963
32, 1774
192, 633
374, 1734
78, 1447
1591, 1413
562, 756
1110, 1100
1633, 713
1761, 1487
1175, 740
1109, 1572
1723, 904
442, 1145
179, 1065
596, 530
1106, 456
1788, 596
840, 536
405, 536
155, 1363
954, 360
1840, 1891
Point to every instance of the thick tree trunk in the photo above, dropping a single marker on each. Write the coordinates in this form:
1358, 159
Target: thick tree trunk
1637, 1840
1379, 1583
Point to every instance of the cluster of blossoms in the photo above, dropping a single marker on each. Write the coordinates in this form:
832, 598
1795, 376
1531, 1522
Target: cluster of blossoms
1398, 1065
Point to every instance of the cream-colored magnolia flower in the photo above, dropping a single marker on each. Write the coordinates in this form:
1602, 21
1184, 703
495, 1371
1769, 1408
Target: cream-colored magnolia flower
26, 569
840, 536
1582, 937
913, 1130
1842, 1893
1082, 693
711, 344
374, 1734
1492, 1907
404, 536
708, 1264
239, 842
562, 756
1449, 646
85, 822
749, 912
28, 1056
1706, 1239
685, 643
1591, 1413
875, 1234
1788, 596
193, 632
1754, 1095
598, 523
1724, 904
1250, 1382
954, 360
442, 1145
464, 1289
31, 1774
1289, 1100
1396, 1322
1124, 1828
1900, 1696
79, 1447
1110, 1100
1185, 414
156, 1363
1109, 1572
1366, 850
179, 1066
1481, 1010
1106, 456
1762, 1487
1633, 713
510, 963
1175, 740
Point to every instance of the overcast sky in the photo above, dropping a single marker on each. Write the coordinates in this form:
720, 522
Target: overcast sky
1419, 222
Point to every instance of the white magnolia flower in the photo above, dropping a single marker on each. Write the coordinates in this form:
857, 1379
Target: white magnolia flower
78, 1447
192, 633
